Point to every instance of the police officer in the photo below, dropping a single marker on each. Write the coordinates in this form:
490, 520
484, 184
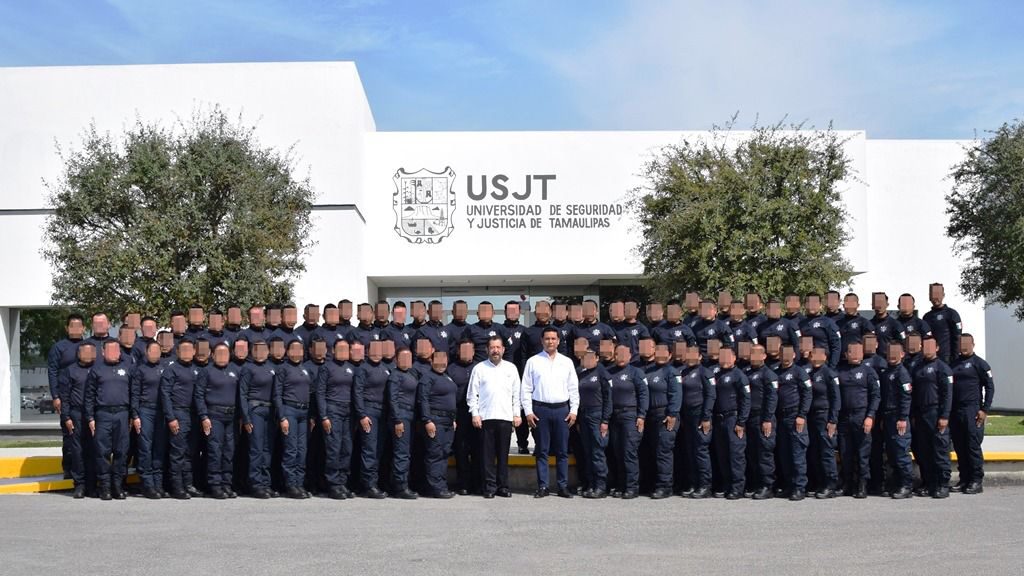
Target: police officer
591, 327
286, 331
397, 331
823, 331
886, 327
233, 325
215, 329
630, 402
77, 437
401, 387
334, 389
894, 420
433, 330
832, 309
149, 331
930, 409
560, 320
310, 324
179, 324
364, 332
595, 412
655, 316
457, 328
345, 323
61, 355
731, 411
907, 317
945, 324
107, 399
626, 333
709, 327
666, 398
467, 438
858, 388
483, 330
292, 384
852, 326
761, 429
370, 388
257, 331
742, 330
973, 390
330, 331
693, 462
776, 325
216, 391
755, 318
177, 387
792, 309
436, 400
513, 335
255, 393
673, 329
691, 300
196, 321
824, 418
145, 406
794, 404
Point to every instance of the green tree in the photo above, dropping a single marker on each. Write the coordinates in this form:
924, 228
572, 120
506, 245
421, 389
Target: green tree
986, 218
41, 328
163, 217
762, 212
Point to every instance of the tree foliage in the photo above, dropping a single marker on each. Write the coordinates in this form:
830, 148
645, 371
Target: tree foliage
986, 218
163, 217
761, 212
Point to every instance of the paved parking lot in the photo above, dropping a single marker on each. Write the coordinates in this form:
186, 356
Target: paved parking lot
51, 533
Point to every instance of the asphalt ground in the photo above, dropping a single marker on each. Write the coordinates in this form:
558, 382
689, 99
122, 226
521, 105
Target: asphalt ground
51, 533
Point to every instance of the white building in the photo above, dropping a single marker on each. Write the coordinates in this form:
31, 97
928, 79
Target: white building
321, 110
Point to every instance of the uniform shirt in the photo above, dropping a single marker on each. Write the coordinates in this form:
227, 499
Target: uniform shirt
853, 328
796, 389
460, 373
514, 332
887, 329
71, 385
629, 388
287, 335
912, 361
764, 391
712, 330
630, 334
914, 325
896, 390
550, 380
565, 330
330, 334
732, 394
667, 333
216, 386
334, 384
255, 334
436, 333
400, 334
481, 332
533, 340
455, 332
61, 355
231, 332
364, 334
825, 392
664, 388
593, 332
972, 383
370, 385
435, 393
743, 331
402, 386
691, 320
756, 320
107, 385
595, 390
788, 334
216, 338
946, 328
145, 384
825, 334
858, 388
698, 388
292, 384
933, 387
493, 391
139, 349
305, 333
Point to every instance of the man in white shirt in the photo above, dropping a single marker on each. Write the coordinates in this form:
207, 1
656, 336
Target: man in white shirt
493, 400
550, 398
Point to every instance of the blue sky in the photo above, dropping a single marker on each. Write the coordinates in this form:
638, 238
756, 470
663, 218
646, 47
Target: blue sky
895, 69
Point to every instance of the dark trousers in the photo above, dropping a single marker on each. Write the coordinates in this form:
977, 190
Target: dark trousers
821, 458
967, 437
370, 447
900, 470
293, 458
760, 453
220, 448
468, 454
879, 454
180, 452
624, 442
261, 446
338, 446
792, 451
77, 447
111, 444
730, 452
854, 449
438, 449
314, 456
693, 466
195, 465
657, 446
595, 466
495, 439
552, 435
931, 448
152, 447
523, 432
400, 449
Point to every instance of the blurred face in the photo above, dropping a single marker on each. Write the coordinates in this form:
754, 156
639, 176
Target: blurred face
606, 350
679, 352
100, 325
111, 352
787, 355
235, 316
726, 359
818, 357
289, 317
692, 302
772, 345
178, 324
714, 347
319, 350
221, 356
357, 352
365, 314
460, 311
466, 352
895, 354
260, 352
576, 313
202, 352
388, 349
87, 354
661, 354
543, 312
579, 347
851, 304
879, 303
792, 304
404, 359
311, 315
631, 310
195, 316
674, 313
622, 355
655, 312
646, 347
870, 344
436, 311
152, 353
332, 316
589, 311
186, 351
753, 303
216, 322
930, 348
617, 311
758, 355
936, 294
736, 312
485, 312
724, 301
133, 320
341, 350
806, 343
277, 350
692, 355
913, 344
398, 315
560, 312
495, 350
774, 310
256, 317
744, 350
967, 345
274, 316
76, 329
424, 348
707, 310
512, 312
854, 353
345, 311
832, 302
295, 351
149, 329
127, 337
419, 311
166, 341
376, 353
589, 360
240, 350
813, 305
439, 362
380, 313
906, 305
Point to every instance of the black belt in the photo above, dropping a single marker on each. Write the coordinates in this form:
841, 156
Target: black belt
623, 408
297, 405
338, 403
725, 414
182, 407
221, 409
112, 409
259, 403
443, 414
150, 405
550, 405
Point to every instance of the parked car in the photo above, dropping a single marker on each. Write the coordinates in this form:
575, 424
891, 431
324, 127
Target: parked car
27, 402
45, 405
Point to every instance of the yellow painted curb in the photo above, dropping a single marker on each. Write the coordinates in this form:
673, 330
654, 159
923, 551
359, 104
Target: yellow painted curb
29, 466
46, 485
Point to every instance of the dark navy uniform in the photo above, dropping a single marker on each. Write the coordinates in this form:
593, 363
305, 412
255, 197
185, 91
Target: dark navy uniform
455, 332
145, 405
593, 333
216, 395
400, 334
788, 334
825, 334
61, 355
217, 337
794, 401
107, 399
887, 329
401, 386
946, 328
293, 382
255, 395
760, 456
565, 336
896, 386
78, 446
436, 399
932, 401
852, 329
305, 332
630, 334
913, 325
177, 388
743, 331
514, 332
666, 333
436, 333
629, 401
665, 398
370, 389
467, 460
858, 388
139, 349
481, 332
732, 409
713, 330
334, 388
329, 333
595, 410
693, 462
364, 334
823, 475
973, 390
256, 334
756, 320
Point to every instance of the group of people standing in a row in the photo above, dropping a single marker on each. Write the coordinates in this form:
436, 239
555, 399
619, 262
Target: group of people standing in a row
719, 398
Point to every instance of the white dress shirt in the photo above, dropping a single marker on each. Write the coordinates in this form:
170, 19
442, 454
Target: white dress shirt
493, 392
552, 380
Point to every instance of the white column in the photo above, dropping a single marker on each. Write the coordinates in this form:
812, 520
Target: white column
10, 394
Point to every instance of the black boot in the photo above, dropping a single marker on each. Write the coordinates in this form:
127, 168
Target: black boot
862, 490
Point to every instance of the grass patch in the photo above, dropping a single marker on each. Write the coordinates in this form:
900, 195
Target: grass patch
1004, 425
15, 443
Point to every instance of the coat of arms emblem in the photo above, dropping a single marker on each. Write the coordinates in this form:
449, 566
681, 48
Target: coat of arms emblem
424, 204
